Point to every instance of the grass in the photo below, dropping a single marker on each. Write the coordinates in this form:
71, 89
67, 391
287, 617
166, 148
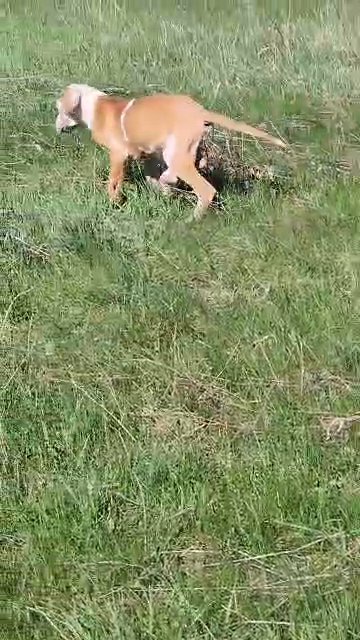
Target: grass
164, 386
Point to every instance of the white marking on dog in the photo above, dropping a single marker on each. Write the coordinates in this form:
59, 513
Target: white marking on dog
122, 118
88, 96
88, 105
168, 176
169, 149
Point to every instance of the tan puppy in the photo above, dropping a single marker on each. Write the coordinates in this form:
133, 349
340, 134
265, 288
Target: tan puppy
173, 124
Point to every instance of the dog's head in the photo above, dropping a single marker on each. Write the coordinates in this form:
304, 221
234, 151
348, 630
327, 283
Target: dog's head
69, 108
76, 106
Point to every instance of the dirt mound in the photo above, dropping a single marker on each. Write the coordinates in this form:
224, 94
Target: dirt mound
220, 162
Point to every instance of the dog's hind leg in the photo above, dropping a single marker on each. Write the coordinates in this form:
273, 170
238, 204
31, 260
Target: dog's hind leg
168, 177
183, 166
204, 191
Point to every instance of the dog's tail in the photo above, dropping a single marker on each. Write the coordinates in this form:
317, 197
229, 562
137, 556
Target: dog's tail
233, 125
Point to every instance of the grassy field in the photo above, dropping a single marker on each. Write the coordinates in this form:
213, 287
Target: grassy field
178, 458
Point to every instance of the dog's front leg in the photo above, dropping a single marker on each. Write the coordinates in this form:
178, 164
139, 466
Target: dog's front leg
116, 177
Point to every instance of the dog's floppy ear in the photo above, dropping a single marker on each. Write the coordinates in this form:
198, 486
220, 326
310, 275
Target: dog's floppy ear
71, 99
69, 108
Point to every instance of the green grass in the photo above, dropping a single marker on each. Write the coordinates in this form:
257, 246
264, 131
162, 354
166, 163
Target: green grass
163, 385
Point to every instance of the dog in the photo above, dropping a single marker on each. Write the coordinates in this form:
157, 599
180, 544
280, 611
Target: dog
172, 124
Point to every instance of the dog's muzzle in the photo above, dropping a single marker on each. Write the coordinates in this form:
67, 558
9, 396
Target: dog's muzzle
64, 123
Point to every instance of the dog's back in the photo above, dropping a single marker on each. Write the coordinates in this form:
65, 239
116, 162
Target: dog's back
152, 119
